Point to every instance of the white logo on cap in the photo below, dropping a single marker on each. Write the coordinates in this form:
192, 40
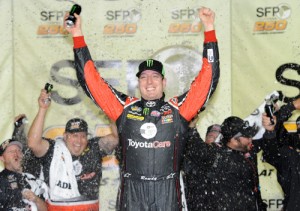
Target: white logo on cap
75, 125
246, 125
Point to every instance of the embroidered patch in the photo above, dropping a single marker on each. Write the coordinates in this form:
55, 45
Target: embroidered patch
165, 113
146, 111
151, 104
136, 108
167, 119
77, 167
210, 55
155, 113
135, 117
148, 130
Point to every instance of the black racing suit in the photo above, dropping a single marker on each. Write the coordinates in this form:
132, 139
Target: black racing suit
151, 132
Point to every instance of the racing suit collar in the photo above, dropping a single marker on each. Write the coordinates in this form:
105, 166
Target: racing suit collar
153, 103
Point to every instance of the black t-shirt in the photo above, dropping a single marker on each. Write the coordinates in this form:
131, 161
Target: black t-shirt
90, 160
11, 186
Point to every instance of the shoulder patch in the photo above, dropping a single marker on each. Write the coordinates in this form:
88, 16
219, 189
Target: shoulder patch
174, 102
130, 101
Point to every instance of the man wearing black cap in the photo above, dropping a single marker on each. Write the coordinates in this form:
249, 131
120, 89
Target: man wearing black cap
231, 179
72, 166
282, 151
18, 190
151, 129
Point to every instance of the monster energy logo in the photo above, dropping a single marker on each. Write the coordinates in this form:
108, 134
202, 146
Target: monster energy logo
163, 72
146, 111
149, 62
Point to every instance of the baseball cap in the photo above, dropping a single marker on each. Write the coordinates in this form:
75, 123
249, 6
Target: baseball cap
235, 126
7, 143
76, 125
151, 64
214, 128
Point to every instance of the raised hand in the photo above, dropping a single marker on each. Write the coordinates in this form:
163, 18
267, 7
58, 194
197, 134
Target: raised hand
207, 17
76, 29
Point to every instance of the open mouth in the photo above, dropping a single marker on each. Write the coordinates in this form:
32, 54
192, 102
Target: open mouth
150, 89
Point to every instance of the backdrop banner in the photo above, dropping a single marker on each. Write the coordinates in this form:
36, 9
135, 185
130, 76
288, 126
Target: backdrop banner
259, 52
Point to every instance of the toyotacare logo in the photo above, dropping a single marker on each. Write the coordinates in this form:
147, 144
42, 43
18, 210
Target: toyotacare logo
154, 145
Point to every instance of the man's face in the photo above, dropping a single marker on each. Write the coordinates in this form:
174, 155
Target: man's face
244, 144
76, 142
151, 85
12, 158
211, 137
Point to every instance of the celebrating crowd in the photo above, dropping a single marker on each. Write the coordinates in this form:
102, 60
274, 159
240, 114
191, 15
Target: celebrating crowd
156, 142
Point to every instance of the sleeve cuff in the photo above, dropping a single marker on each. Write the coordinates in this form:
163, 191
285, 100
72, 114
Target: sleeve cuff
210, 36
79, 42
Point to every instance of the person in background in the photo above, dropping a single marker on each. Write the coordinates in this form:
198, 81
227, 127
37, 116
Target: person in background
71, 166
31, 164
196, 180
18, 190
229, 177
282, 151
213, 133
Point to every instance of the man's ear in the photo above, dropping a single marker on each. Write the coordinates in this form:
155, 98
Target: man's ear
164, 83
2, 158
237, 139
65, 136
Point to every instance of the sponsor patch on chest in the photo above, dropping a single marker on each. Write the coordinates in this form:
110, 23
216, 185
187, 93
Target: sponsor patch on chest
135, 117
167, 119
136, 108
155, 113
148, 130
